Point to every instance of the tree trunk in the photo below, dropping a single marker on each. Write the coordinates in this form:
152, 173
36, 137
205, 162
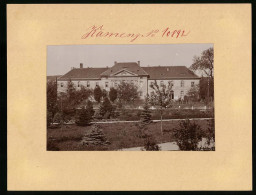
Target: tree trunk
161, 121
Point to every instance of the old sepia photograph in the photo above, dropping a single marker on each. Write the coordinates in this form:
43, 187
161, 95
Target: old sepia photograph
157, 97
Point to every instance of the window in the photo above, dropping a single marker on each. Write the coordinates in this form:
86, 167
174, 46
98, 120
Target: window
192, 84
78, 84
88, 84
106, 84
172, 94
140, 93
61, 84
161, 83
141, 83
170, 83
151, 84
181, 94
132, 82
115, 84
97, 84
182, 83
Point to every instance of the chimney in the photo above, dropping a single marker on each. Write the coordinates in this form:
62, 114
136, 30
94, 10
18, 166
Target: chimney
139, 63
81, 65
115, 62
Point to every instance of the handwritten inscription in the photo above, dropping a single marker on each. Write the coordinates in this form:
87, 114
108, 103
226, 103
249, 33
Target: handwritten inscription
100, 32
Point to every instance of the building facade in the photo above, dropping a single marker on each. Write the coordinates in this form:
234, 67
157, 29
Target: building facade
181, 78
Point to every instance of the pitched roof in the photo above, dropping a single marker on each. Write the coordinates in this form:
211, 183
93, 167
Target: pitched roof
132, 67
53, 78
166, 72
154, 72
84, 73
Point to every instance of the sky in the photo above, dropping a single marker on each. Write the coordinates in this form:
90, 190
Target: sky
61, 58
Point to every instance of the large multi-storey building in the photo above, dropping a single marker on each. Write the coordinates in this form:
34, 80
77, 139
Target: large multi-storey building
181, 78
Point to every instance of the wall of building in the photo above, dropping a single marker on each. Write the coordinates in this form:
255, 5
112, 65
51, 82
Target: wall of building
142, 82
179, 90
62, 85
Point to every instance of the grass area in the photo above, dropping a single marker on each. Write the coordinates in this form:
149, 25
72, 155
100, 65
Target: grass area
120, 135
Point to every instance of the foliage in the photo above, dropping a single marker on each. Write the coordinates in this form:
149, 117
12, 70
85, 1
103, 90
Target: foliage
83, 118
205, 62
150, 145
112, 94
89, 108
72, 98
188, 135
71, 91
146, 113
57, 117
105, 107
97, 93
52, 106
193, 93
203, 88
127, 92
211, 131
104, 93
49, 118
161, 95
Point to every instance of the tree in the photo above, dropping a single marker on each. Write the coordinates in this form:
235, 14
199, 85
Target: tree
203, 88
188, 135
52, 104
89, 108
146, 114
104, 93
97, 93
161, 96
193, 93
112, 94
83, 118
127, 92
71, 91
105, 107
205, 62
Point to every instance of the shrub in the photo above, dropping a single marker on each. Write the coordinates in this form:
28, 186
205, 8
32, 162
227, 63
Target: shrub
97, 93
89, 108
146, 114
150, 145
49, 118
188, 135
112, 94
105, 107
83, 118
57, 117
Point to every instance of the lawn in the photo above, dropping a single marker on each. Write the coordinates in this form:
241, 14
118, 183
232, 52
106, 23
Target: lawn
120, 135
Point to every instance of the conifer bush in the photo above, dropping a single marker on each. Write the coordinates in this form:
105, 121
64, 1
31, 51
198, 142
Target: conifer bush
83, 118
146, 113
